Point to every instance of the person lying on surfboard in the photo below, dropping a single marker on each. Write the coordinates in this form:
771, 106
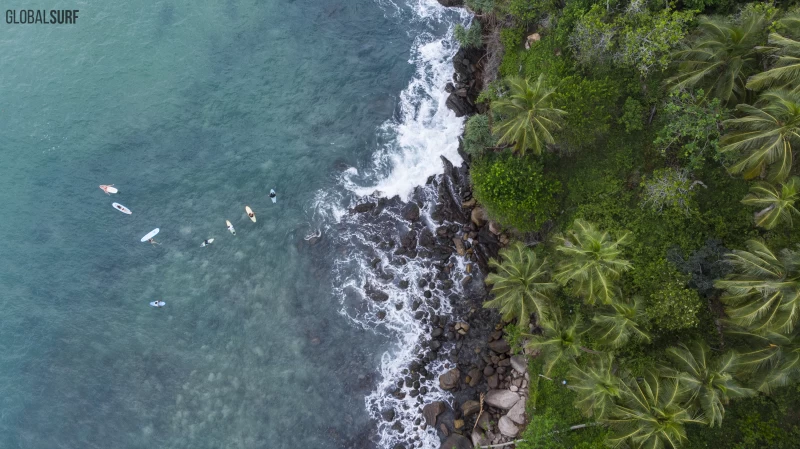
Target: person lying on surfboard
251, 215
272, 194
153, 241
109, 189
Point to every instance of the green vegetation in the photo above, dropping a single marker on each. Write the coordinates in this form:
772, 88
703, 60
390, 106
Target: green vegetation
469, 37
650, 145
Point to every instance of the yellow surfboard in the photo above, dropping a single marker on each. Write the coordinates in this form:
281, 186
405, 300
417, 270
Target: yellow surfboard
250, 213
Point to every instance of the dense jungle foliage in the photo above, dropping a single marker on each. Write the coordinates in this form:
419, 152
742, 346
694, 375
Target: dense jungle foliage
643, 152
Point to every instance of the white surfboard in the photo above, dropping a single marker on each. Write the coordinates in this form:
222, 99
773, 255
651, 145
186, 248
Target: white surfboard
109, 189
273, 198
158, 304
250, 213
121, 208
150, 235
230, 227
210, 241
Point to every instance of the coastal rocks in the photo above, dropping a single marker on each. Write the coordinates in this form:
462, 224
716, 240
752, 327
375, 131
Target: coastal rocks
470, 408
499, 346
456, 441
363, 207
461, 106
517, 413
480, 439
507, 427
519, 363
432, 411
451, 3
410, 212
478, 217
502, 399
461, 328
449, 380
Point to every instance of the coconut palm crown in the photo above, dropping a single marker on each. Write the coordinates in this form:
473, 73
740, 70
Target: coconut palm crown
785, 52
597, 386
591, 262
776, 202
528, 117
520, 285
763, 292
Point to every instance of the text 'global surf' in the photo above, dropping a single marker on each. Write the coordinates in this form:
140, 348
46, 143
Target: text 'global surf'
32, 16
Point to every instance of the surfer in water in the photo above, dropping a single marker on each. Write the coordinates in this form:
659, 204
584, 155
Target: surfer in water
272, 194
153, 242
251, 215
207, 242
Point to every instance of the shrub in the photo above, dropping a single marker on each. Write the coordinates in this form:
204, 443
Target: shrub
632, 115
469, 37
477, 135
669, 189
674, 307
514, 191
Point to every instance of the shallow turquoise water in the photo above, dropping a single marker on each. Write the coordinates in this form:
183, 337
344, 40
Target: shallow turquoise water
192, 109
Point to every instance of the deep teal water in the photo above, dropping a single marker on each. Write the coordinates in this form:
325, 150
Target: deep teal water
192, 109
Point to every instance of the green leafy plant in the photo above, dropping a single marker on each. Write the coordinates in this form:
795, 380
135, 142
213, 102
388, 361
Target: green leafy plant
591, 262
669, 188
520, 286
776, 202
615, 327
596, 385
559, 341
527, 116
785, 52
469, 37
674, 307
514, 191
632, 115
478, 135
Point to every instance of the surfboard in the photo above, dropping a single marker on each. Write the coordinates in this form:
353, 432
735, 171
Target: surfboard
109, 189
210, 241
250, 213
158, 304
121, 208
273, 198
150, 235
230, 227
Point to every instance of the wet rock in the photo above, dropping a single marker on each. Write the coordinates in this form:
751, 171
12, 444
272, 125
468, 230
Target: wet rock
445, 431
465, 282
507, 427
436, 345
456, 441
488, 371
480, 439
426, 238
364, 207
499, 346
484, 422
449, 380
410, 212
388, 414
502, 399
470, 408
462, 328
431, 411
494, 227
493, 381
519, 363
475, 377
437, 332
459, 244
458, 424
379, 296
451, 3
461, 106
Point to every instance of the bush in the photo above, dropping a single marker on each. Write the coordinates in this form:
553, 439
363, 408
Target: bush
632, 115
674, 307
669, 189
514, 191
478, 136
469, 37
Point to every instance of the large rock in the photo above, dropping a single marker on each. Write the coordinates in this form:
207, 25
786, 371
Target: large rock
517, 413
519, 363
507, 427
470, 408
451, 3
502, 399
481, 439
459, 105
431, 411
478, 216
411, 212
363, 207
456, 441
499, 346
449, 380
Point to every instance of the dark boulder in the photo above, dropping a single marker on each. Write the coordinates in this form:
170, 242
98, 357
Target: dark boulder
364, 207
411, 212
461, 106
431, 411
451, 3
456, 441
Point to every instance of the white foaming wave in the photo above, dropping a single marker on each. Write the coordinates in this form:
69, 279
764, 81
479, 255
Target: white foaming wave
426, 128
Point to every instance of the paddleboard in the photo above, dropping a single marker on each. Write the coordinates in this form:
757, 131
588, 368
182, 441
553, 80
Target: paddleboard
230, 227
150, 235
109, 189
121, 208
273, 196
157, 304
250, 213
210, 241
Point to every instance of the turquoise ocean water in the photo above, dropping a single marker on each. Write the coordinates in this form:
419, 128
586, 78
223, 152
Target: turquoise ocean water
193, 109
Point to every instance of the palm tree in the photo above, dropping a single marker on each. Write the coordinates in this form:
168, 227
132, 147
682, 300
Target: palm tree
710, 382
651, 414
786, 51
777, 204
774, 359
596, 386
520, 285
528, 116
764, 135
763, 292
559, 341
721, 57
615, 327
592, 262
